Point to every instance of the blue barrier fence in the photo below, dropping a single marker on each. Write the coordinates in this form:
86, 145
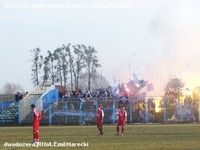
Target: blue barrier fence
83, 111
8, 112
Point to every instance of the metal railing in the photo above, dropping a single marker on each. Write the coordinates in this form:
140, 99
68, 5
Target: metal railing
83, 111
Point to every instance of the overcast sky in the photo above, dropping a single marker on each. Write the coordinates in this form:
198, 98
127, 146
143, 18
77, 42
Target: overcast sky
160, 39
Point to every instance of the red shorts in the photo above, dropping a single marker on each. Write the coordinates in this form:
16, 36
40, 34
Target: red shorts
121, 123
99, 122
36, 125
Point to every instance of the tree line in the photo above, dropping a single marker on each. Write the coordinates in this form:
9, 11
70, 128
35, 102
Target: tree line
74, 65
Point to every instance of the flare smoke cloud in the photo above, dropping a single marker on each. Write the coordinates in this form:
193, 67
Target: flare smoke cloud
176, 28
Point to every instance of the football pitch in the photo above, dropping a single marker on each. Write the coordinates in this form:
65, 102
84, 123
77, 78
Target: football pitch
136, 137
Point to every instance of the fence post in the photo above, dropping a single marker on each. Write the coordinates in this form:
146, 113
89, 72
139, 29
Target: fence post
165, 110
181, 111
18, 121
199, 110
81, 113
113, 119
50, 114
2, 112
65, 110
146, 110
130, 105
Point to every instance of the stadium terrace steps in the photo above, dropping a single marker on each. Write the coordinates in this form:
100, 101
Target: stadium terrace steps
33, 97
42, 97
8, 113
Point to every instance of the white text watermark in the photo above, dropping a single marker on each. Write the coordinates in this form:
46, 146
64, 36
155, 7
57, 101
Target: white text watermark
27, 5
47, 144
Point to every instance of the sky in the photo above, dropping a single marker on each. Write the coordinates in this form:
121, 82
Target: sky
157, 40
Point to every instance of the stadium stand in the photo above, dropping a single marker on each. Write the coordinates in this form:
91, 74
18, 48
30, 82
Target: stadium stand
42, 97
8, 113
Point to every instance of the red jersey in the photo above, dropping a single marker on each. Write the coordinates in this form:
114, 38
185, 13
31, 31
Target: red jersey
36, 115
122, 117
36, 118
99, 116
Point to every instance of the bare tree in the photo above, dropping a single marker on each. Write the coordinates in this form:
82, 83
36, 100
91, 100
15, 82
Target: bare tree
78, 64
76, 59
12, 88
61, 58
173, 90
91, 62
36, 66
46, 70
71, 65
52, 67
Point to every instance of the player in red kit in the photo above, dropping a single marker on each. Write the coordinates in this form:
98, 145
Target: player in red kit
121, 119
36, 116
99, 119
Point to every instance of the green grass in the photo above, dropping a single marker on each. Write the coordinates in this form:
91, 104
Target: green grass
137, 137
